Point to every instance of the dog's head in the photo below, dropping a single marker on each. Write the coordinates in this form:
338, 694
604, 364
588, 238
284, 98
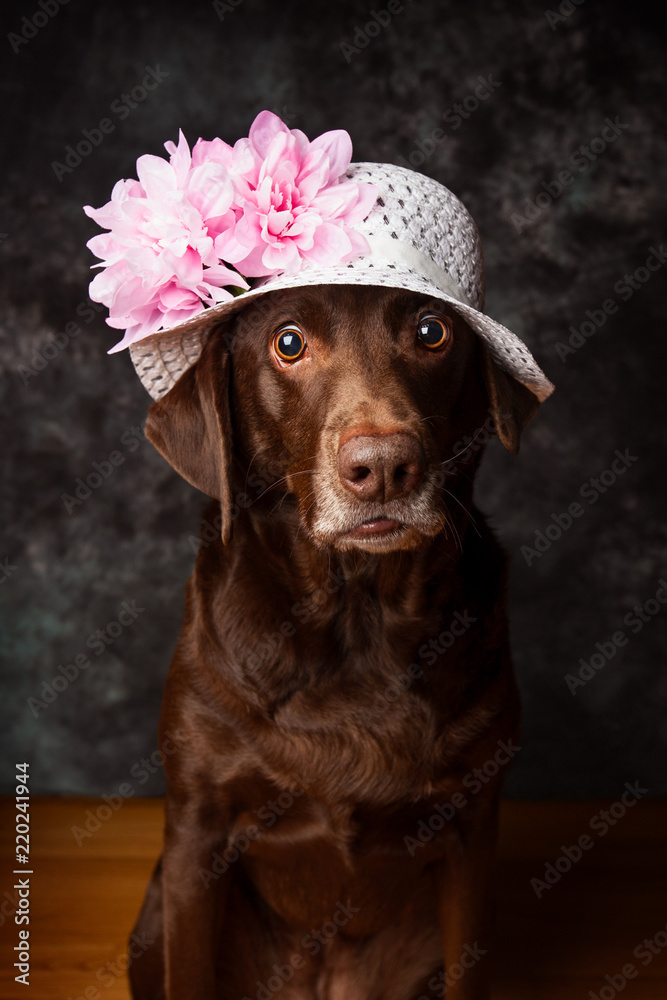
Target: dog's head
355, 408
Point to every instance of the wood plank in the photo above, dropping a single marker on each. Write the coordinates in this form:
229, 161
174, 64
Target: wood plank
85, 897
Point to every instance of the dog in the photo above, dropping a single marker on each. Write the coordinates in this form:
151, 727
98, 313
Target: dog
343, 671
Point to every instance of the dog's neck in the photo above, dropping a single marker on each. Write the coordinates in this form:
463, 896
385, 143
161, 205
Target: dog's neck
321, 609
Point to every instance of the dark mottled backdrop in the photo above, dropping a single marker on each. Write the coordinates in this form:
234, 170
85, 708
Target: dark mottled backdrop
562, 251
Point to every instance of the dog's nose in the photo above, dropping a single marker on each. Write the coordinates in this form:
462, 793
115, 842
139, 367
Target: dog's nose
381, 467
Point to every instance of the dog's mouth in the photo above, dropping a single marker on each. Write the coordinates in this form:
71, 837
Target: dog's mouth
381, 532
375, 527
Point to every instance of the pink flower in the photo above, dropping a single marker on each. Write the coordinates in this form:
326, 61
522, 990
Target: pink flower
160, 266
268, 204
290, 202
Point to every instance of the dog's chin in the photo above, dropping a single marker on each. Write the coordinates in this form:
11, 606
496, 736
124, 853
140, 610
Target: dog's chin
404, 538
379, 536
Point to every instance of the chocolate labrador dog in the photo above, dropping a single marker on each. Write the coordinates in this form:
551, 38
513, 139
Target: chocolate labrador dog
342, 690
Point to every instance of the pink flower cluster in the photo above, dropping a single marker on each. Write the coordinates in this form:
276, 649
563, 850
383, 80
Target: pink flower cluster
265, 205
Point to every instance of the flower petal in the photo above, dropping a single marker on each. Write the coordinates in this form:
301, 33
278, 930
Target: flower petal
210, 190
314, 174
180, 158
282, 157
337, 144
359, 243
330, 245
157, 177
215, 151
264, 128
220, 275
282, 257
368, 195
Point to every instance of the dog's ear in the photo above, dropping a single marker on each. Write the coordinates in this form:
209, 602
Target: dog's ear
191, 427
513, 405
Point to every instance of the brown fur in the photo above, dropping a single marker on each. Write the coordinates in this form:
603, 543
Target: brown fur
292, 672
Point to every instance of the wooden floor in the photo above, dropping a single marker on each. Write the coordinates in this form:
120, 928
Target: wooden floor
572, 943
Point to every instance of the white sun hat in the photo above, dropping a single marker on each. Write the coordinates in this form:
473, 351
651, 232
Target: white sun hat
421, 239
200, 237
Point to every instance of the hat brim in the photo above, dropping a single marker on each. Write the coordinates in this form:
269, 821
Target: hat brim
162, 358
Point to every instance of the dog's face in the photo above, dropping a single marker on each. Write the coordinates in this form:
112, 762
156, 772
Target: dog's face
356, 399
360, 389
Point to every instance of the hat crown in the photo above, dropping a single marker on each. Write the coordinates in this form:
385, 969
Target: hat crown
419, 211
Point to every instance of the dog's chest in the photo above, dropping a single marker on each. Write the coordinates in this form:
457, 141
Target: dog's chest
369, 720
359, 741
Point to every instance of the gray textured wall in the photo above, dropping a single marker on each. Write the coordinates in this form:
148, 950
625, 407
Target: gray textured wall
550, 88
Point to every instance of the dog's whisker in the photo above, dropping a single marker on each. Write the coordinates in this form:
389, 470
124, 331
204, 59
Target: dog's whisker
278, 504
465, 511
283, 479
245, 485
455, 530
458, 454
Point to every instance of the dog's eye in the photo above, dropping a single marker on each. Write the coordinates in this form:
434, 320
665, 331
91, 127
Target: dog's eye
433, 332
289, 343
